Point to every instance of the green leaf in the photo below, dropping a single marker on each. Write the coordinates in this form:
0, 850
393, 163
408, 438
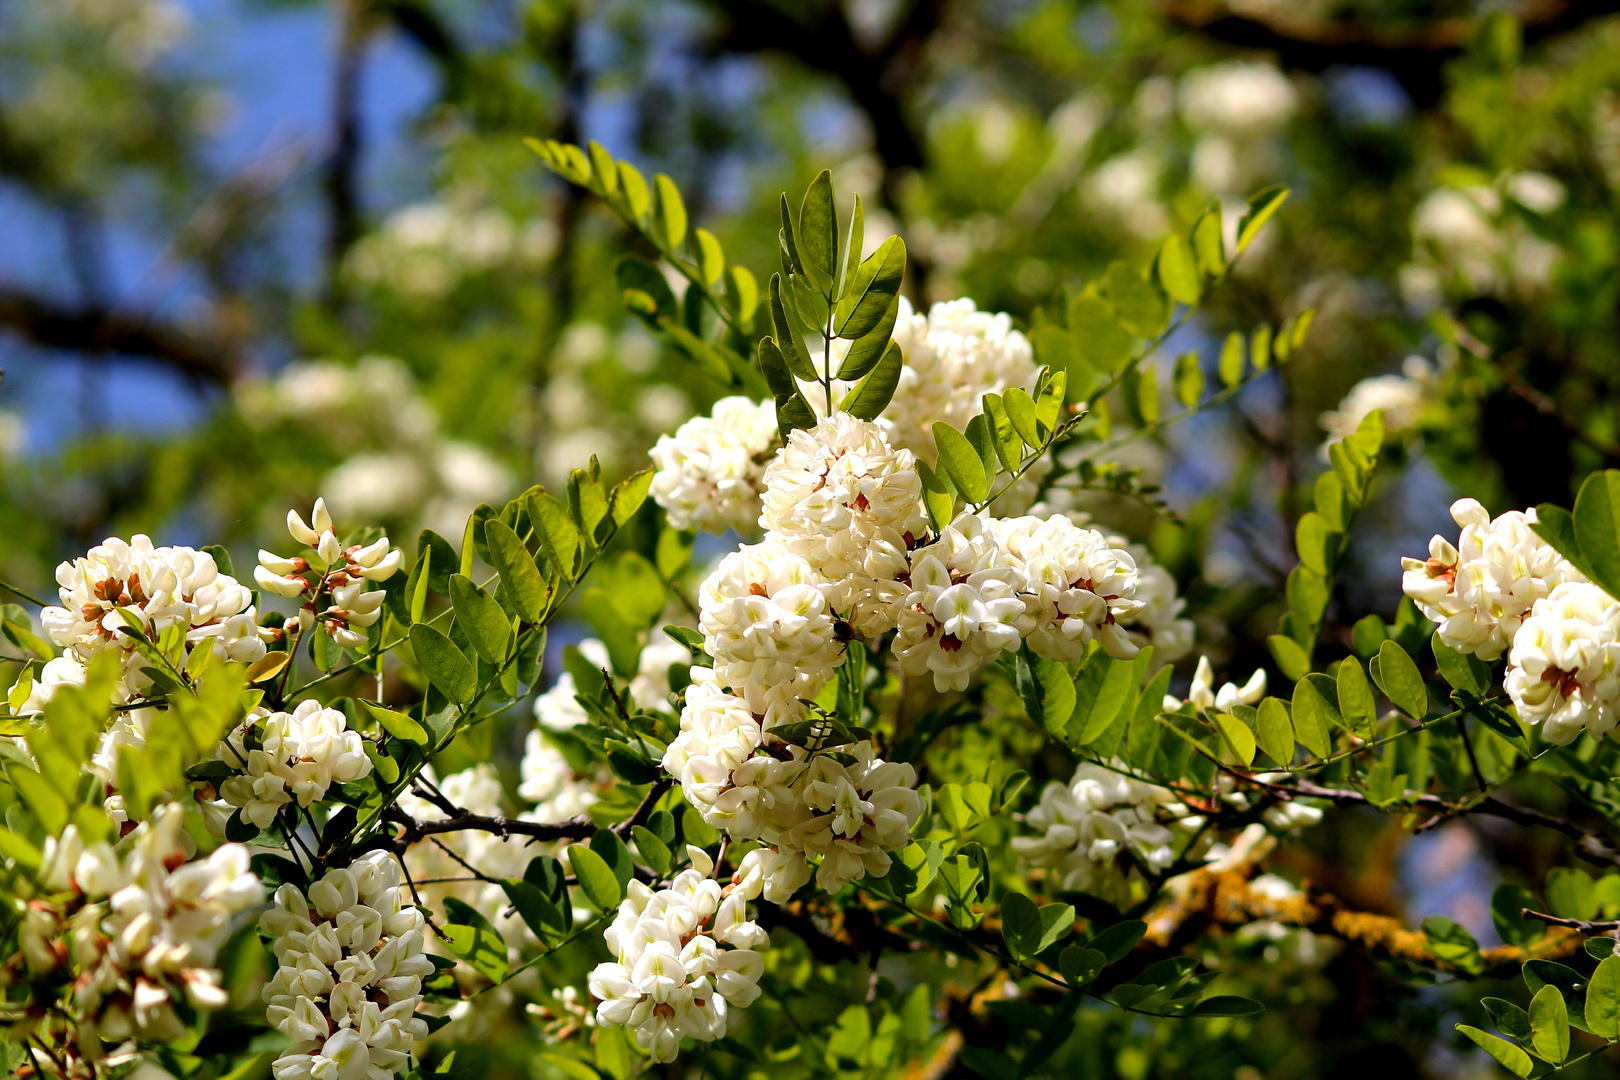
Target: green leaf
1119, 939
1450, 941
1260, 347
18, 848
397, 724
1020, 925
668, 214
1329, 499
519, 574
446, 666
1571, 893
867, 349
1208, 244
482, 618
1275, 732
1139, 307
711, 258
1290, 656
536, 910
1080, 965
596, 879
1603, 999
871, 395
557, 533
471, 937
1397, 676
606, 843
1463, 671
818, 234
628, 495
874, 291
1510, 1057
1555, 525
939, 497
1189, 379
961, 463
49, 807
786, 333
742, 294
1178, 270
1232, 357
1103, 342
1237, 736
774, 366
1549, 1024
1316, 544
1021, 414
1506, 903
1008, 446
1356, 702
1597, 527
1057, 696
1262, 204
1311, 714
654, 852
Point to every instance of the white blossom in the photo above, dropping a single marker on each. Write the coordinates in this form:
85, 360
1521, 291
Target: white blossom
767, 623
1237, 97
964, 605
1076, 586
1203, 694
550, 782
683, 957
334, 588
1158, 621
1564, 668
953, 357
1094, 826
148, 936
290, 757
160, 587
855, 814
711, 471
349, 971
842, 498
1401, 397
1481, 589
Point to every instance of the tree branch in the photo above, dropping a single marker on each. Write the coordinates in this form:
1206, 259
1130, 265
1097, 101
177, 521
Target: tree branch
1581, 926
105, 330
1414, 52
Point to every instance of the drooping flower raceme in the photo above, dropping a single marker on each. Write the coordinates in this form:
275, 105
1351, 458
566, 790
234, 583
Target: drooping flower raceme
1076, 587
349, 974
842, 498
148, 935
159, 587
767, 623
340, 582
964, 606
290, 757
683, 957
710, 472
1481, 589
1203, 695
1564, 668
1093, 826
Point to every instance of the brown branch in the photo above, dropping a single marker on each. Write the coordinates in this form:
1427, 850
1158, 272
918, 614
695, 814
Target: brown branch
644, 811
1414, 52
104, 330
1580, 926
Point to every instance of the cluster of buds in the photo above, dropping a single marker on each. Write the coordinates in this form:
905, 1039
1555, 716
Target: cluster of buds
337, 575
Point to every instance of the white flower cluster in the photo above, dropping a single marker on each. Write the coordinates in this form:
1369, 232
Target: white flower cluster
478, 791
397, 464
848, 811
711, 471
151, 927
1077, 586
1094, 826
426, 249
1401, 397
349, 974
1234, 106
1469, 241
768, 624
953, 357
1203, 695
290, 757
684, 956
1564, 668
159, 587
340, 582
964, 605
1480, 590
